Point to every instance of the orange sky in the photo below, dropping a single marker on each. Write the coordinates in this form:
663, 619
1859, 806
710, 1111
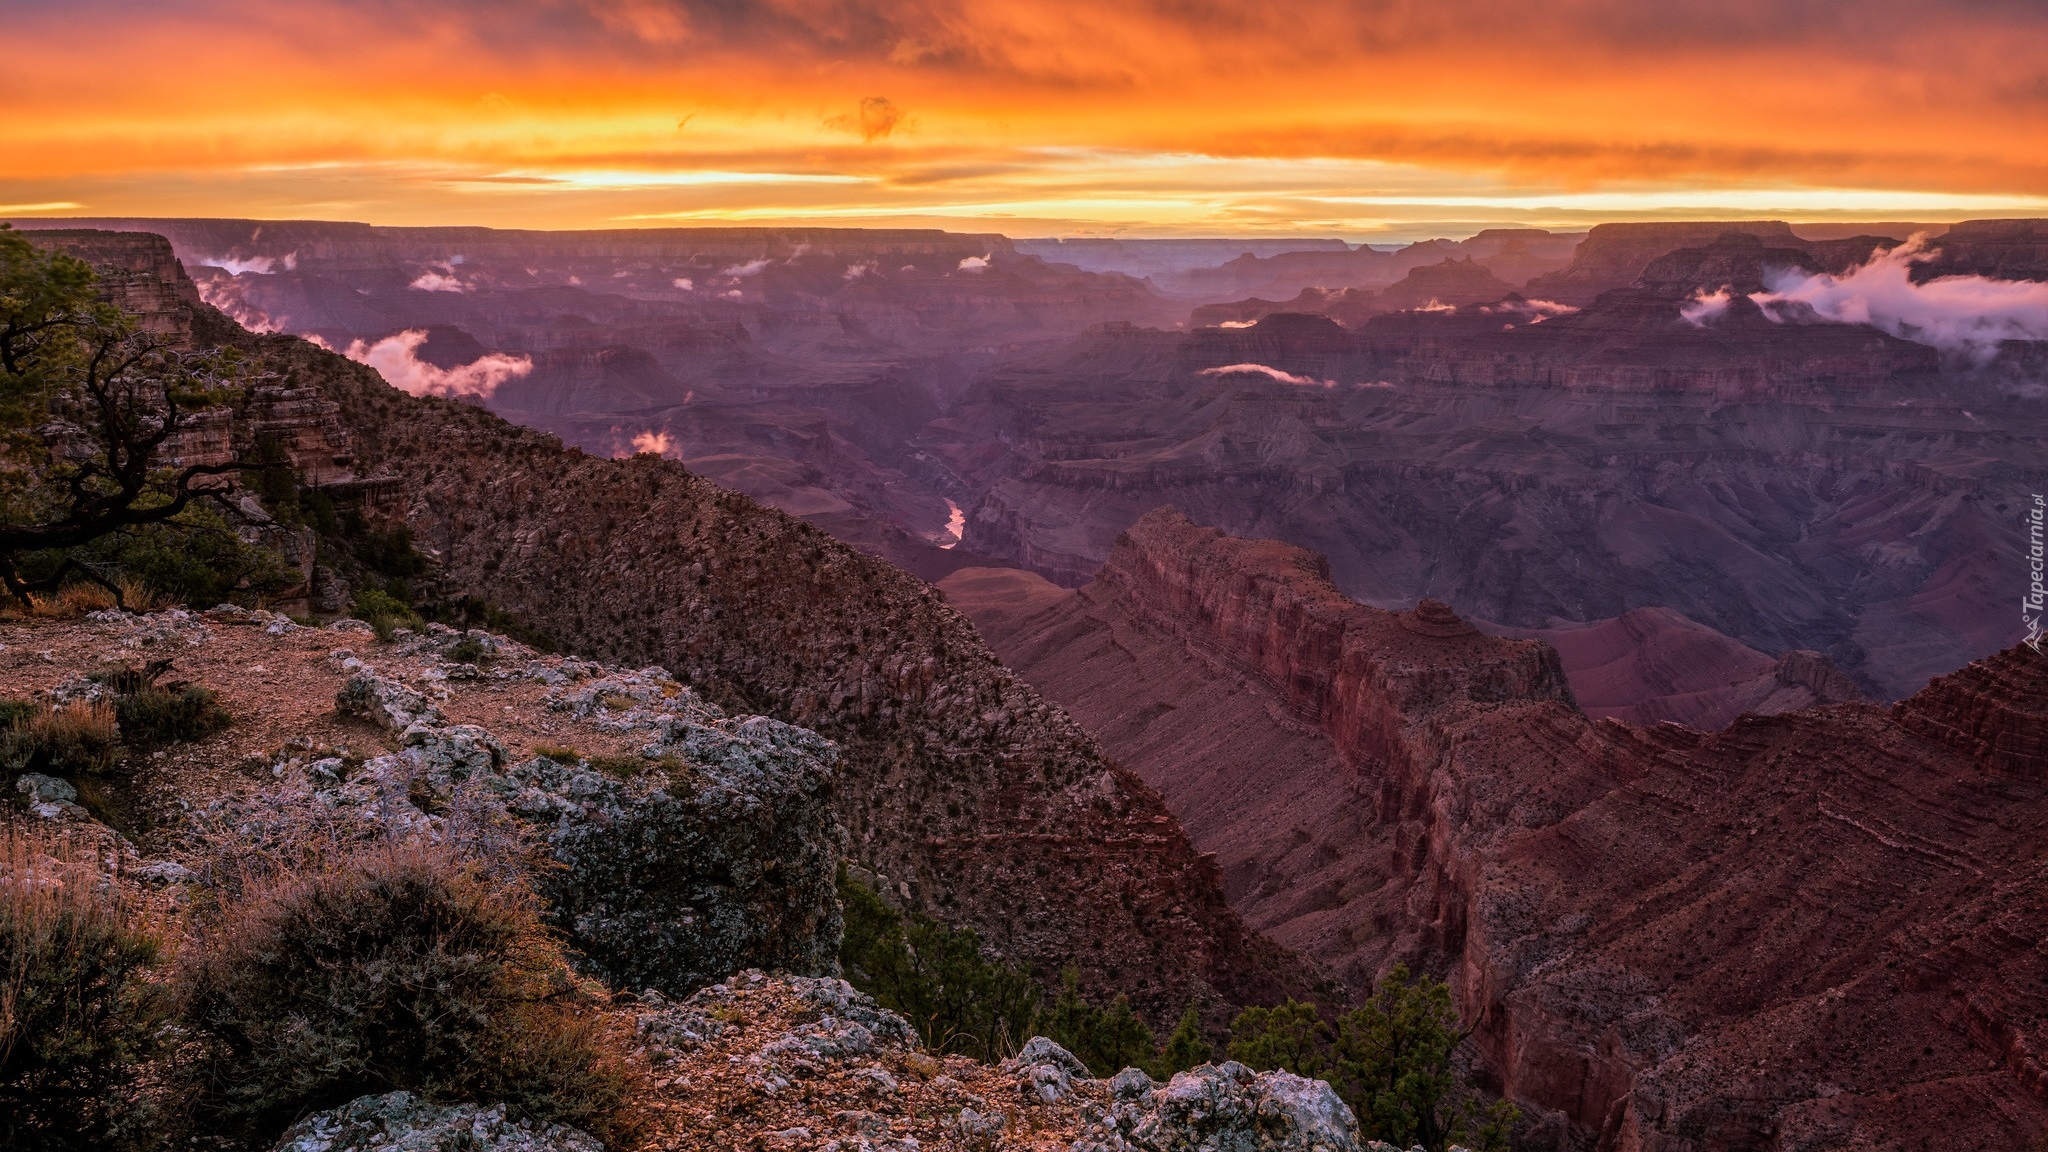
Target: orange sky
1369, 118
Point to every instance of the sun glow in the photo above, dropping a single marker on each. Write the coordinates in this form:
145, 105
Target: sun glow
1054, 114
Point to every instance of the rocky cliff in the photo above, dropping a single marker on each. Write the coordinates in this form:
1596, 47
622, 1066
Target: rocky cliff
1814, 930
977, 800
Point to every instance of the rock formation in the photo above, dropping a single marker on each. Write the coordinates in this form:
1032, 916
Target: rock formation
980, 803
1817, 928
1652, 664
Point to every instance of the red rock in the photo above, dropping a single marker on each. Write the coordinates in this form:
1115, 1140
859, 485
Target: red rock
1823, 929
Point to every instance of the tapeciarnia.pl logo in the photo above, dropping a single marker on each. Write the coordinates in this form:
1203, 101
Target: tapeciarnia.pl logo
2032, 604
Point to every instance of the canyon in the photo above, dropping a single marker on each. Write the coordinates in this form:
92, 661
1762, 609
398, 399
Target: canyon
1525, 425
1643, 677
1810, 930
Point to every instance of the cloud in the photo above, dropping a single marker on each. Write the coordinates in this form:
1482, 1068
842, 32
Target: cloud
436, 280
259, 265
1271, 372
974, 264
878, 116
1536, 310
1704, 308
657, 443
750, 268
396, 358
685, 283
856, 271
1969, 315
1239, 324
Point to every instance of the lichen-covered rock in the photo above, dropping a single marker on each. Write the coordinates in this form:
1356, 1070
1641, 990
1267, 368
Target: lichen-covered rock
400, 1122
1045, 1071
1224, 1108
716, 853
389, 704
683, 874
48, 797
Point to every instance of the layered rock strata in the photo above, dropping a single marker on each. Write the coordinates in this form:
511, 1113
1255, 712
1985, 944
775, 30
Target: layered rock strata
1812, 930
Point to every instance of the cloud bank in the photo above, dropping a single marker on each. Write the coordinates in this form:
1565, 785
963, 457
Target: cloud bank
1969, 315
396, 358
1270, 372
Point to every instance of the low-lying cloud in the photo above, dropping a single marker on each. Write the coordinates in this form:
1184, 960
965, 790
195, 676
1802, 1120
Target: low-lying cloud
260, 265
396, 358
1270, 372
750, 268
1705, 307
653, 442
974, 264
435, 280
1967, 315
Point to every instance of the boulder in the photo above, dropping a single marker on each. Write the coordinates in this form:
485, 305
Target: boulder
1225, 1108
401, 1122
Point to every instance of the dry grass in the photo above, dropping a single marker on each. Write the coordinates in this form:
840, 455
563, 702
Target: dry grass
78, 1009
75, 600
398, 966
79, 737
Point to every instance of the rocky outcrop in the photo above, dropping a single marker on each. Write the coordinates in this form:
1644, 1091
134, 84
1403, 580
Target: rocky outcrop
1650, 665
711, 848
1614, 255
978, 801
1994, 712
140, 275
401, 1122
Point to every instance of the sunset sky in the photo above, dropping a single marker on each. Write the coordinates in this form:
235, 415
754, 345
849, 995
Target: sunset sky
1388, 119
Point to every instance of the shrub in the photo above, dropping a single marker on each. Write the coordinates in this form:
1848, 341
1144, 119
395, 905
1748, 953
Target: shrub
384, 612
152, 714
78, 1011
1390, 1059
1188, 1046
1107, 1040
1394, 1056
400, 967
959, 1000
1291, 1037
468, 650
82, 737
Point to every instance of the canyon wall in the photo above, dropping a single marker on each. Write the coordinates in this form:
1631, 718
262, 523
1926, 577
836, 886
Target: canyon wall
1813, 930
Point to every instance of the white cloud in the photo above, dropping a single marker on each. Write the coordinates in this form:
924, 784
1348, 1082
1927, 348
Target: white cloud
658, 443
1268, 370
686, 284
750, 268
396, 358
1704, 308
1965, 314
1239, 324
856, 271
436, 280
260, 265
974, 264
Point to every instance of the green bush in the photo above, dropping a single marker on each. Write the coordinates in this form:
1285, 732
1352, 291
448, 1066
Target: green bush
78, 1012
1187, 1047
154, 715
397, 968
1107, 1040
195, 558
1389, 1059
384, 612
1291, 1037
959, 1000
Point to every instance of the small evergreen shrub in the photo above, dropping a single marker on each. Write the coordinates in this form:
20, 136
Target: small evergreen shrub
959, 1000
78, 1011
400, 967
384, 612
